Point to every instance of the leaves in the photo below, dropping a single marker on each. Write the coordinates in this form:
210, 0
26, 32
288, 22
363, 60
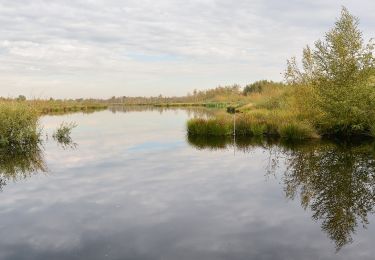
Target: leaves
339, 72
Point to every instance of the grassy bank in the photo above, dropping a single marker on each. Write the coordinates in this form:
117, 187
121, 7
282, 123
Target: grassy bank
61, 106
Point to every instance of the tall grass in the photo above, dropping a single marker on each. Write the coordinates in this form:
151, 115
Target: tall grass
19, 127
209, 127
285, 125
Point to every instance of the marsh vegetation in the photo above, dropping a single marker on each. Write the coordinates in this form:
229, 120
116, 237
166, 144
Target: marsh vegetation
19, 128
332, 94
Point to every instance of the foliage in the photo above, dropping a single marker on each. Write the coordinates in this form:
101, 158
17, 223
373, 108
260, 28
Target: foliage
260, 86
18, 126
337, 80
21, 98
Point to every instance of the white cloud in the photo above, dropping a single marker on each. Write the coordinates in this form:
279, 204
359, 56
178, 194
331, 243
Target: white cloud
104, 48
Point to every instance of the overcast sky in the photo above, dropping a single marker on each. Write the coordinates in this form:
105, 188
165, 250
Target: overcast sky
101, 48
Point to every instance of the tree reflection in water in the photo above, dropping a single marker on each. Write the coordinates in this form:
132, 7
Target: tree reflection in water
335, 181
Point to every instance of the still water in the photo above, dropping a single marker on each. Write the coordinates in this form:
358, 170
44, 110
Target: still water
133, 186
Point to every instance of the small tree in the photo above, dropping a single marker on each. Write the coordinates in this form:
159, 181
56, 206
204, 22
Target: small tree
338, 75
21, 98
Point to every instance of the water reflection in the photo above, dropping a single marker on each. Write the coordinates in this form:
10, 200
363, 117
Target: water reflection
16, 165
227, 142
335, 181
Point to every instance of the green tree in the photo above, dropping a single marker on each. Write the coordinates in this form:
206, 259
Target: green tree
259, 86
338, 73
21, 98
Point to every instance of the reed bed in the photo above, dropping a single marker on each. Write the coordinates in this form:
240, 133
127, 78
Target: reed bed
259, 123
19, 128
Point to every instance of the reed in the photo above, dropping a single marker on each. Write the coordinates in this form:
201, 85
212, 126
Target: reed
19, 128
209, 127
256, 124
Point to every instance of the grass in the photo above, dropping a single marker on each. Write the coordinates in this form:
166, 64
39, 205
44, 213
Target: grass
257, 123
19, 128
297, 131
209, 127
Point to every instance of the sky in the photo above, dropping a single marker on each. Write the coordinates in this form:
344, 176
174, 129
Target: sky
104, 48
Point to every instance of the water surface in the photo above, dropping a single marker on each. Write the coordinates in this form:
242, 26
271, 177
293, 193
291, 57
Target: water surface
135, 187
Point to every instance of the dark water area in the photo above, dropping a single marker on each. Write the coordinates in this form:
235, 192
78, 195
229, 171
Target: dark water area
133, 185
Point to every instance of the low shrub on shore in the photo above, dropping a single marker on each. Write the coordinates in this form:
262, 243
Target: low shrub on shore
19, 127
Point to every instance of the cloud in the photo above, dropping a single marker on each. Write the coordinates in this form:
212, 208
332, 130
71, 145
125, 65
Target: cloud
104, 48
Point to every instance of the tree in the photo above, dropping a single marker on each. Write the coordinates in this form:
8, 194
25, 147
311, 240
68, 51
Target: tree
21, 98
338, 74
260, 86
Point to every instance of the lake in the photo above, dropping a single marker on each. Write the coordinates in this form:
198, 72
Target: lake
134, 186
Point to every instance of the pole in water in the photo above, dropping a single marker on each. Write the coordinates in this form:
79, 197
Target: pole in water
234, 134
